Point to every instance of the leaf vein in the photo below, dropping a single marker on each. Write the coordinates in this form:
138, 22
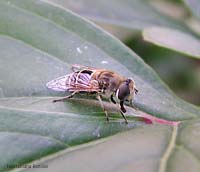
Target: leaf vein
169, 149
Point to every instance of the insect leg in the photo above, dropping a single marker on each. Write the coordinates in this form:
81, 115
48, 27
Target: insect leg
123, 110
102, 106
65, 98
122, 106
112, 99
124, 117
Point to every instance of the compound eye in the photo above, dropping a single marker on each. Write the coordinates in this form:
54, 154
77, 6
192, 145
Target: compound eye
123, 91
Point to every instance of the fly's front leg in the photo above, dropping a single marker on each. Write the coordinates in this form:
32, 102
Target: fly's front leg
112, 99
124, 117
122, 106
102, 106
65, 98
123, 110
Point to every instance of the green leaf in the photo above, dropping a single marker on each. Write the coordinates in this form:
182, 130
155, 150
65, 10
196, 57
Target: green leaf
142, 16
31, 128
173, 39
130, 150
150, 148
39, 42
134, 14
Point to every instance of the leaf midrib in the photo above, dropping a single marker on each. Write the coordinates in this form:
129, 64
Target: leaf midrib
169, 149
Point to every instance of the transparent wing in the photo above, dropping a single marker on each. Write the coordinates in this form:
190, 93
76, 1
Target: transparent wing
76, 81
58, 84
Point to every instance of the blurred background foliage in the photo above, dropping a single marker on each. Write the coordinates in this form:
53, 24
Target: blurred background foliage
180, 72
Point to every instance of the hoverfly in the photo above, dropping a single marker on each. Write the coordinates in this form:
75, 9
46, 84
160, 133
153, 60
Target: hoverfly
102, 82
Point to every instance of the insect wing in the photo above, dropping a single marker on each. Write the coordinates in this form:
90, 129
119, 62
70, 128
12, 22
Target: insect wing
58, 84
75, 81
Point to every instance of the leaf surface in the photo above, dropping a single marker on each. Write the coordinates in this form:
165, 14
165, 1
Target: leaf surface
39, 42
173, 39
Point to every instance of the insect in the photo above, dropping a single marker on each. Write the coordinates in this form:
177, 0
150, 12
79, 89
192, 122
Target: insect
104, 83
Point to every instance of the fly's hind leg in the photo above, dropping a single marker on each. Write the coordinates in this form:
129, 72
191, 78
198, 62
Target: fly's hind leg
102, 106
65, 98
